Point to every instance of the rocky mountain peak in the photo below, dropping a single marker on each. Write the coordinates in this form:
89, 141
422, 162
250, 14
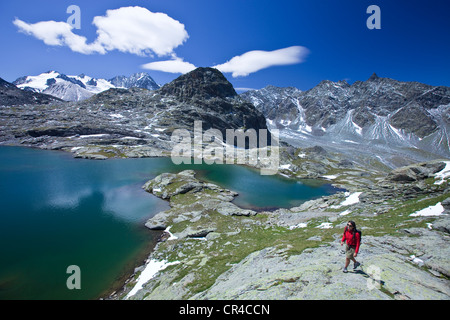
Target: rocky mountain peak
202, 83
6, 84
10, 95
374, 76
138, 80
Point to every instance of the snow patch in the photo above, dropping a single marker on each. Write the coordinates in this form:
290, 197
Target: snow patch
416, 260
435, 210
171, 236
443, 174
93, 135
357, 128
300, 225
344, 213
151, 269
325, 225
397, 132
308, 129
352, 198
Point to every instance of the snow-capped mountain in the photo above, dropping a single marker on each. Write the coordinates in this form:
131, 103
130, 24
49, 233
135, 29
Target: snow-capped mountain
380, 114
138, 80
81, 87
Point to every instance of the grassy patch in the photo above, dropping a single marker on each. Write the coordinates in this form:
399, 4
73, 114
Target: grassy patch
399, 218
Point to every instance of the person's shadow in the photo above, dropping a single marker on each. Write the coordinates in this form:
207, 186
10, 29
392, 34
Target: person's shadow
365, 275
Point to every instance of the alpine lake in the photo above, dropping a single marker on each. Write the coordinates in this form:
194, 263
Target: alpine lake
57, 211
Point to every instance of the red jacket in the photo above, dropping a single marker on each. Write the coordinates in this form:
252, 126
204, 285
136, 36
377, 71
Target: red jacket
352, 241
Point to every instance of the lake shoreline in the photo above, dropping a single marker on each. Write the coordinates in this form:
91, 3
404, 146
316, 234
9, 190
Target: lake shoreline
130, 270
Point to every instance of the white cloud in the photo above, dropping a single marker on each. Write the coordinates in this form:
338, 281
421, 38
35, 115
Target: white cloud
177, 65
58, 34
256, 60
134, 30
139, 31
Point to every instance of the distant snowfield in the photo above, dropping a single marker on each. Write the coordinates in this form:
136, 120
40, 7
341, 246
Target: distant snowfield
77, 88
40, 82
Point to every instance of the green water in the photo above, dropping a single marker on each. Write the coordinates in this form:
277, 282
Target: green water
57, 211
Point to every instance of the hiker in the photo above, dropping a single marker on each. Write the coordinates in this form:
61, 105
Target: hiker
352, 237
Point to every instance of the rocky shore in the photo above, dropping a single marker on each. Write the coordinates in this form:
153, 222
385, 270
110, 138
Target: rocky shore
212, 249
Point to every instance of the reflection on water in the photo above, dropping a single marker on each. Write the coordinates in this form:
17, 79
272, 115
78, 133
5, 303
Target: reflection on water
58, 211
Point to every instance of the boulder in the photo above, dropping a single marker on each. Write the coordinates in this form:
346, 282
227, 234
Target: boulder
415, 172
190, 232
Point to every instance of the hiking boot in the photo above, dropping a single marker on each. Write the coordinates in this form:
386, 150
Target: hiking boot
344, 270
356, 265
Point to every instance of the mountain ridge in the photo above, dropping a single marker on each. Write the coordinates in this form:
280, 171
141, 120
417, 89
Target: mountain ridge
10, 95
124, 119
81, 87
379, 112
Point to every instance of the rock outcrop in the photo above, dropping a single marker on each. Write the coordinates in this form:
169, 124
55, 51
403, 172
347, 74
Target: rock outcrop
200, 200
416, 172
10, 95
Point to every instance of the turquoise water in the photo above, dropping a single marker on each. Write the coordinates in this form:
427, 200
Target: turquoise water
57, 211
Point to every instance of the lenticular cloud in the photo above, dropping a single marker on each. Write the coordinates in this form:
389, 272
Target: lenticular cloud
176, 65
239, 66
256, 60
133, 30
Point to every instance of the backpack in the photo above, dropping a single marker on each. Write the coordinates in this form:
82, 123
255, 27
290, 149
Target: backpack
360, 235
356, 231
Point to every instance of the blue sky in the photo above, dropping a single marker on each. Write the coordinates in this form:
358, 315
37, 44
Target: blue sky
287, 42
